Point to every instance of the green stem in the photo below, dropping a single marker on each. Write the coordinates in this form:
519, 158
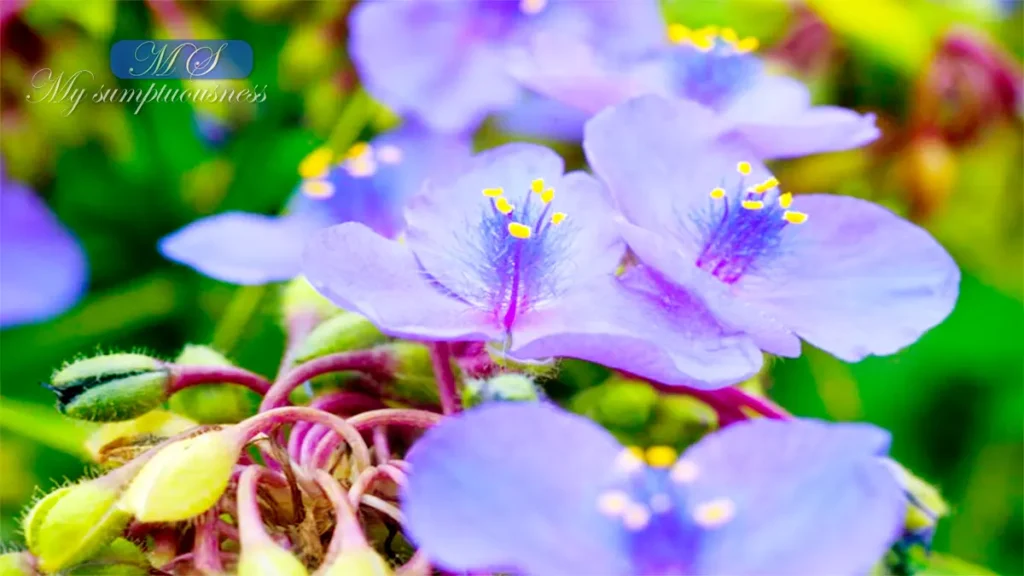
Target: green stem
45, 426
237, 316
358, 112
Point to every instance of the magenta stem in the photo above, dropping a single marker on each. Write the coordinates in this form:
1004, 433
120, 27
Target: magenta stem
278, 416
339, 403
728, 402
376, 362
298, 327
185, 376
440, 357
368, 420
348, 534
206, 546
762, 406
380, 444
250, 522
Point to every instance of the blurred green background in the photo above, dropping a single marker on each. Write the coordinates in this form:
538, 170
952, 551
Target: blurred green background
120, 179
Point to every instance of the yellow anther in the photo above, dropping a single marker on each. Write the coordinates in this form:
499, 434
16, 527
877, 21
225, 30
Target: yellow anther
318, 189
753, 204
537, 186
661, 503
521, 231
612, 503
630, 460
660, 456
765, 186
493, 192
714, 513
785, 200
794, 217
677, 33
702, 42
315, 165
684, 471
747, 45
502, 205
729, 35
389, 154
547, 196
743, 168
358, 150
532, 6
636, 517
558, 217
718, 193
636, 451
710, 31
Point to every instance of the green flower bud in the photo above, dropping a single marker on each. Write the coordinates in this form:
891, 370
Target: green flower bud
110, 388
626, 405
414, 374
537, 368
342, 333
509, 387
119, 558
72, 524
185, 478
926, 504
16, 564
680, 420
118, 442
269, 560
361, 562
299, 297
211, 403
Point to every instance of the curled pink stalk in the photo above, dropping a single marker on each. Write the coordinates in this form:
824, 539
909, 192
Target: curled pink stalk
250, 522
206, 545
348, 534
441, 358
313, 438
418, 565
185, 376
342, 403
729, 402
762, 406
394, 417
298, 326
278, 416
380, 444
375, 362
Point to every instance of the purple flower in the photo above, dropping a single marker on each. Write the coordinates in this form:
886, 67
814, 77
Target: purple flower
846, 275
444, 62
772, 115
515, 252
528, 488
370, 185
42, 267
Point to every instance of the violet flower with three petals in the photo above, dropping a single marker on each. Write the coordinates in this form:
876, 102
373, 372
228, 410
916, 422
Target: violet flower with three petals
771, 115
844, 274
43, 269
527, 488
517, 253
370, 184
444, 62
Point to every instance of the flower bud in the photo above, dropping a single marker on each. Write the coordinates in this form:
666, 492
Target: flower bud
110, 388
16, 564
680, 419
118, 442
926, 505
928, 168
299, 297
509, 387
119, 558
211, 403
361, 562
537, 368
626, 405
269, 560
72, 524
342, 333
414, 374
185, 478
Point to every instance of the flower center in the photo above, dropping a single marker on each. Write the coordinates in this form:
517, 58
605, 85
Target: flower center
743, 229
712, 66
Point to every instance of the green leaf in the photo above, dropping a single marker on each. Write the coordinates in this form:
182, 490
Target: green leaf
45, 426
888, 29
941, 565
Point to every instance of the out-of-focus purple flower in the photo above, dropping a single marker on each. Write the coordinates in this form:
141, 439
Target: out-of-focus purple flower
772, 115
370, 184
42, 267
515, 252
529, 488
844, 274
444, 62
211, 129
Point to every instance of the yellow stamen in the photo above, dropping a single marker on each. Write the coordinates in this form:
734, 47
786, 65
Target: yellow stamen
715, 513
785, 200
636, 517
794, 217
729, 35
315, 165
548, 196
702, 42
753, 204
677, 33
747, 45
743, 168
502, 205
660, 456
612, 503
518, 230
558, 217
493, 192
718, 193
358, 149
537, 186
684, 471
318, 189
765, 186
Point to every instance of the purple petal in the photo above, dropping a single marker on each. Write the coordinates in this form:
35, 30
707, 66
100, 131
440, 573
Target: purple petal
776, 120
241, 248
379, 278
803, 497
856, 279
43, 267
540, 117
510, 487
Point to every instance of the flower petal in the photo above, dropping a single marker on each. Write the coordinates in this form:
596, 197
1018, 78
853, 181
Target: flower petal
510, 487
379, 278
856, 279
43, 268
239, 247
541, 117
776, 120
804, 497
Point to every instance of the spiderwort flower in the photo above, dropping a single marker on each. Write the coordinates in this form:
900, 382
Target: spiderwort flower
369, 184
43, 267
716, 69
842, 273
514, 252
444, 62
529, 488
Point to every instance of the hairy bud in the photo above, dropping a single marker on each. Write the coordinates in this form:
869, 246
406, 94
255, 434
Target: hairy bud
118, 442
110, 388
269, 560
342, 333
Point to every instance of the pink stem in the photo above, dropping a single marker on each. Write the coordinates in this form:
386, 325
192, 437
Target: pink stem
185, 376
310, 442
377, 362
763, 406
206, 547
440, 357
227, 530
380, 444
397, 417
727, 402
340, 403
348, 534
299, 327
250, 522
418, 565
278, 416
